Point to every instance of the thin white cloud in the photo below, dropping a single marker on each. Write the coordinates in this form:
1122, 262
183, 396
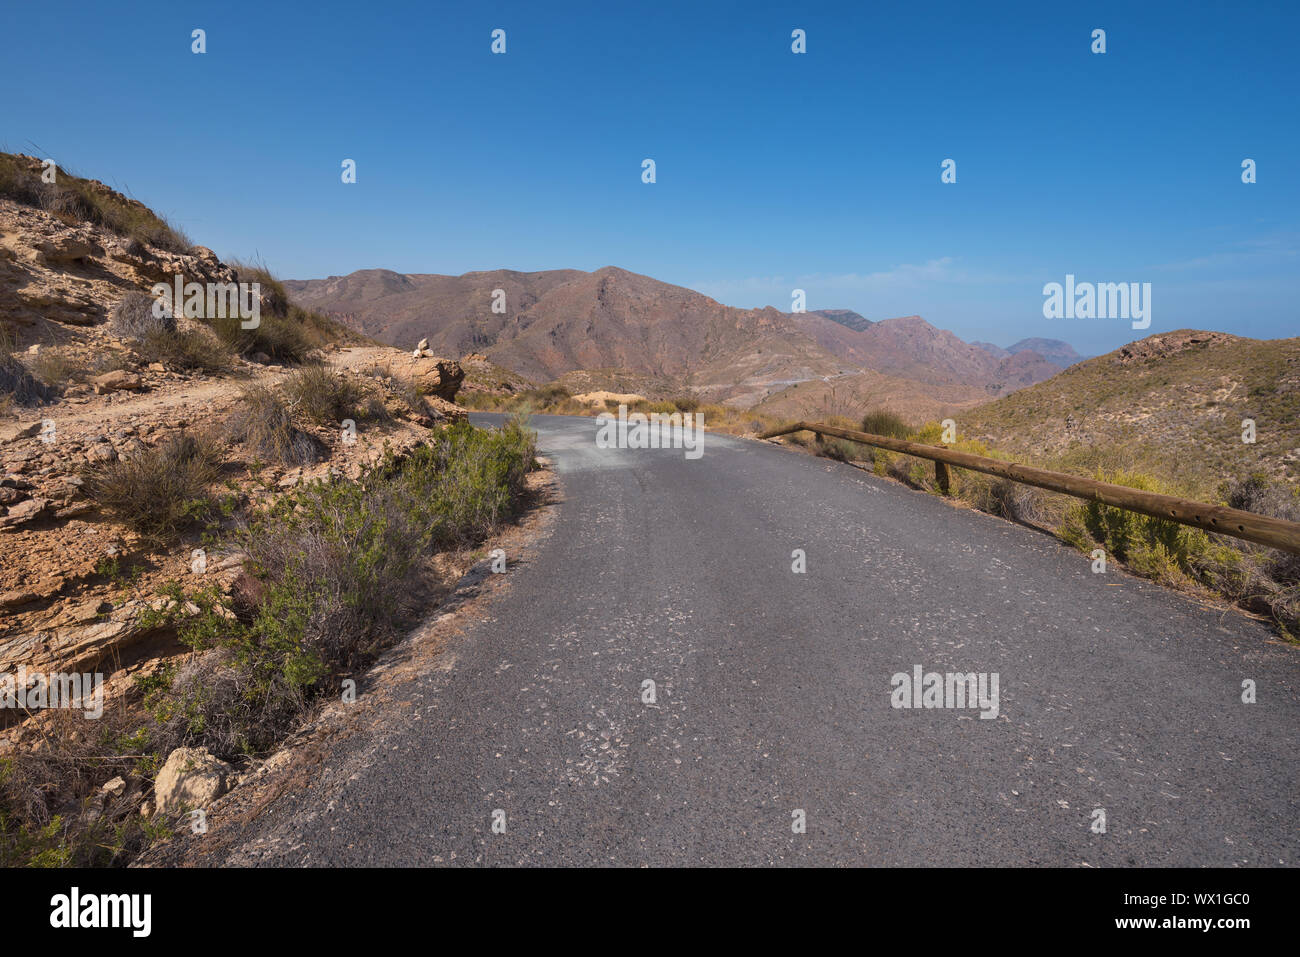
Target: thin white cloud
841, 287
1269, 250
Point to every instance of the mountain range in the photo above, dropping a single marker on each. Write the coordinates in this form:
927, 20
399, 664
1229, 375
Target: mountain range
542, 325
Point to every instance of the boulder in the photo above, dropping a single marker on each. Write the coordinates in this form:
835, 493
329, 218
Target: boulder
65, 248
193, 777
11, 432
100, 453
116, 381
437, 377
444, 411
25, 511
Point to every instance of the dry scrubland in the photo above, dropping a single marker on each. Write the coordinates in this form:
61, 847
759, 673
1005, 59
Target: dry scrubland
203, 530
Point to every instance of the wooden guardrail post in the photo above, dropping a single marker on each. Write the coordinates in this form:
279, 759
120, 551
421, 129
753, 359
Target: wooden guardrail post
1261, 529
941, 477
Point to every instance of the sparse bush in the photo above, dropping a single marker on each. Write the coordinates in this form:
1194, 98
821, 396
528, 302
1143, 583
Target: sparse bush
401, 388
687, 403
322, 395
17, 385
285, 332
1263, 578
191, 349
884, 422
134, 318
1257, 493
1002, 497
275, 298
649, 406
263, 424
52, 811
477, 399
841, 450
78, 200
281, 339
108, 360
56, 369
547, 395
832, 447
160, 490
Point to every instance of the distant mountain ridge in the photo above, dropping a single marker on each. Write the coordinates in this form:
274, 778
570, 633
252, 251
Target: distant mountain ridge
845, 317
1053, 350
550, 323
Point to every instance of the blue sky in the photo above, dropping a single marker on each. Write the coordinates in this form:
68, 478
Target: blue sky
774, 170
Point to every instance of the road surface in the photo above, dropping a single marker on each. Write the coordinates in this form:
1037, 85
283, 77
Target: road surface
772, 693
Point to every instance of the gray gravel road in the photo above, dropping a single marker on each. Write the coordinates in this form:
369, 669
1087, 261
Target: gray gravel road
773, 693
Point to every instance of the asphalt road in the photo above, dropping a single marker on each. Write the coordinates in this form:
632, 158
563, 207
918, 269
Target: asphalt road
773, 693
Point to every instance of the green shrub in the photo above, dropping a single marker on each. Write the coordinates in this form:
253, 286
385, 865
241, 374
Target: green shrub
332, 577
884, 422
52, 811
1163, 550
467, 481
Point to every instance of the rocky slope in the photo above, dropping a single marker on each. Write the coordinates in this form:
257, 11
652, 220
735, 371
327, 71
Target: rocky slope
77, 584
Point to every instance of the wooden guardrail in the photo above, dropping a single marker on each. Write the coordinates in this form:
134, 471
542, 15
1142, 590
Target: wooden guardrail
1260, 529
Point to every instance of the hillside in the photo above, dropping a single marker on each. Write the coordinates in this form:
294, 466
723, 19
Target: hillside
86, 383
845, 317
856, 393
565, 321
1171, 404
168, 475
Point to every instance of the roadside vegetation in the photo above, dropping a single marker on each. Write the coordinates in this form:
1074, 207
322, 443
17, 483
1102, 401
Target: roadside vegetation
1260, 579
333, 572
